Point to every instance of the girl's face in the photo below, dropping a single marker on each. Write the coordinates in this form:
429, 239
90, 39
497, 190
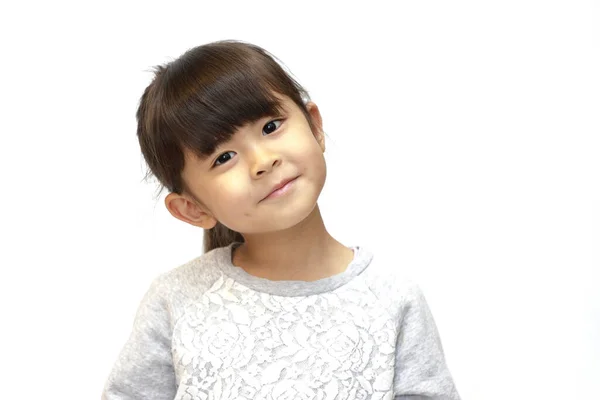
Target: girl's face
233, 182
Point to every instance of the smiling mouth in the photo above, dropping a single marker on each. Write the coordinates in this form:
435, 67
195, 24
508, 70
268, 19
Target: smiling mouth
282, 190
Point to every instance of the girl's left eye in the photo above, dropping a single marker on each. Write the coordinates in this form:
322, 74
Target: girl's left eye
272, 125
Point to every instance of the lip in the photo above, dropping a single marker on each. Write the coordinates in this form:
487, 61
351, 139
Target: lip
274, 192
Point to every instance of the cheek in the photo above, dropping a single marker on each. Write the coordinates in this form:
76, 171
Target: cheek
315, 159
307, 150
232, 194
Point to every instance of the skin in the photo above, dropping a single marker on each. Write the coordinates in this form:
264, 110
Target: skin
285, 237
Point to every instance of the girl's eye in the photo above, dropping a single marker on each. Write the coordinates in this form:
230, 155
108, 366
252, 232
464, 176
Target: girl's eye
223, 159
272, 126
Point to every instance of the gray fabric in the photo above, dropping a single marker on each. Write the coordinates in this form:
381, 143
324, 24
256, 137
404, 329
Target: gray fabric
209, 330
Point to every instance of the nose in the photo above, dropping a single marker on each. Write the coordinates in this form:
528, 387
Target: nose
264, 161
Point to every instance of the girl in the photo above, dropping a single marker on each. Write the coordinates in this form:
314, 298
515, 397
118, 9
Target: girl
275, 307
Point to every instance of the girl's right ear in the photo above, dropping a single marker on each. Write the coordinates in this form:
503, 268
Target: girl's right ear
188, 211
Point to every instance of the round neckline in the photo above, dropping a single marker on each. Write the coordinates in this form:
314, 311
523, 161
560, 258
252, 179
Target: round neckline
291, 288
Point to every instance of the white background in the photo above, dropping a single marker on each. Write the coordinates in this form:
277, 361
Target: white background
463, 146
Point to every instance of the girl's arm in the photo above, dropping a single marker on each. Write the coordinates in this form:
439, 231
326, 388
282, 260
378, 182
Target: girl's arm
144, 368
421, 371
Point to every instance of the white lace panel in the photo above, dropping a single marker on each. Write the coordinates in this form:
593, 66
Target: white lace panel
236, 343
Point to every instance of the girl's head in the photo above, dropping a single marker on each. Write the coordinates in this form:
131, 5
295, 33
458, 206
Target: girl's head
219, 127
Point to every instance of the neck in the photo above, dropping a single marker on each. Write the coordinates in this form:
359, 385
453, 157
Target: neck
303, 252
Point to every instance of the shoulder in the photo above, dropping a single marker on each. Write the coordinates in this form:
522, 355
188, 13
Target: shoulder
395, 288
188, 281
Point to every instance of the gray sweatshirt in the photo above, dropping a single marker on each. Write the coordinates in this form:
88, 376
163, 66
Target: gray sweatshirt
209, 330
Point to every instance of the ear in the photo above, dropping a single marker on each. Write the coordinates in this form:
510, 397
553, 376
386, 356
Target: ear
315, 114
189, 211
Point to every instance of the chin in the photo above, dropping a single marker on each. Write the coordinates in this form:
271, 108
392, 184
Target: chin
296, 216
278, 220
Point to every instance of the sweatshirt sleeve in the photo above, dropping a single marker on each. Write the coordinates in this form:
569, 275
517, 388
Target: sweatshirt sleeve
144, 368
421, 372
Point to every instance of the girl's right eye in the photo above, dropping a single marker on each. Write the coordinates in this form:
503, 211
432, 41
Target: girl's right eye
223, 159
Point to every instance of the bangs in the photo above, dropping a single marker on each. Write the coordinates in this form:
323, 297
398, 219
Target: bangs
203, 123
207, 106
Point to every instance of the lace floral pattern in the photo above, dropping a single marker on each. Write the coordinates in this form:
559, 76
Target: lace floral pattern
236, 343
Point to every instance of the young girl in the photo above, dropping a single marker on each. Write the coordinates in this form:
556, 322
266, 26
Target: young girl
275, 308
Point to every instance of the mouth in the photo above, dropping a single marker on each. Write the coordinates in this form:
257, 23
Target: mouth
281, 188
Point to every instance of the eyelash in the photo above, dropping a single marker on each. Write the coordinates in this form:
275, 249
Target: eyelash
214, 165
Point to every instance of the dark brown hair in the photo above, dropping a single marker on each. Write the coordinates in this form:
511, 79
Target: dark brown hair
199, 100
